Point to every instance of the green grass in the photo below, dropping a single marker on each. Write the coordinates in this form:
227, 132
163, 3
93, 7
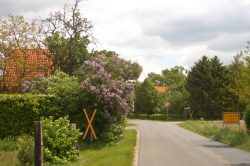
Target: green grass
120, 154
8, 159
239, 139
8, 144
8, 147
130, 124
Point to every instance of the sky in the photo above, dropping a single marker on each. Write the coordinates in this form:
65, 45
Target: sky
157, 34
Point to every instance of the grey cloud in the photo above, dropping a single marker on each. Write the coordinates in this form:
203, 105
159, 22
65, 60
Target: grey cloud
230, 43
22, 6
200, 28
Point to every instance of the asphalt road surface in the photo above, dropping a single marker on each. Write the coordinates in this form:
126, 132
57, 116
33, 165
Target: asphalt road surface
166, 144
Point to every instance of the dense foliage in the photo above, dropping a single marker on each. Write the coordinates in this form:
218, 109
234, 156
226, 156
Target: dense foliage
111, 97
65, 88
247, 117
18, 112
147, 99
170, 102
67, 37
206, 84
59, 140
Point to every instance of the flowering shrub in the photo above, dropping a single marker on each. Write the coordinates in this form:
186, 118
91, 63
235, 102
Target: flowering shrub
112, 98
59, 141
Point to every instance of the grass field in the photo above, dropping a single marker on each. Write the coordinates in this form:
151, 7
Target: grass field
214, 130
121, 154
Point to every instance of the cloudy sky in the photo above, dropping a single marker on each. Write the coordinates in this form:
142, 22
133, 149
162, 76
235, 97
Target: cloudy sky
158, 34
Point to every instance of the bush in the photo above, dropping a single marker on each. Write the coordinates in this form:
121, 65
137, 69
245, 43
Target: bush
59, 141
132, 115
158, 117
247, 117
18, 112
111, 97
66, 88
8, 144
143, 116
26, 150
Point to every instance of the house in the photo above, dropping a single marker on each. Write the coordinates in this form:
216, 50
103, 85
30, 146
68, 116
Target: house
25, 64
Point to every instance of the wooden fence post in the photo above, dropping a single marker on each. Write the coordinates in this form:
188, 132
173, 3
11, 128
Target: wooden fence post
38, 144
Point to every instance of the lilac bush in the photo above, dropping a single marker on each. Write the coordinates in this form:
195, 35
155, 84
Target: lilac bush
111, 96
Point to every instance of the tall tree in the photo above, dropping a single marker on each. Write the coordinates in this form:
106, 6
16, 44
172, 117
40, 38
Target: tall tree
240, 76
234, 88
68, 34
206, 83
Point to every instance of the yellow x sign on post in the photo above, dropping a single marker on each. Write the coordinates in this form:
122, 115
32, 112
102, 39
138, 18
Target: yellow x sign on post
89, 124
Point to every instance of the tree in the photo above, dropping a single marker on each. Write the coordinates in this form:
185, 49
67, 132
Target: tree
173, 76
147, 99
177, 95
240, 72
157, 79
68, 34
16, 37
206, 83
119, 67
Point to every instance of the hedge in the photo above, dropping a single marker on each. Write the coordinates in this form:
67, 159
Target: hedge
149, 117
19, 111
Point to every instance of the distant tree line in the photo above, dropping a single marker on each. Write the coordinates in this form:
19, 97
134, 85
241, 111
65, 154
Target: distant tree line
208, 88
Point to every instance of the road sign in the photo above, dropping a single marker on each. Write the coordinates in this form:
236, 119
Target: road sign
89, 124
231, 118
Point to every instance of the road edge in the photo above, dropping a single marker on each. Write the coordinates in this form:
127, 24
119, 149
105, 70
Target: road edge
136, 154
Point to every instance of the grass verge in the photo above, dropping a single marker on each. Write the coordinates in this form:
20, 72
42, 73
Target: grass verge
239, 139
8, 158
130, 124
121, 154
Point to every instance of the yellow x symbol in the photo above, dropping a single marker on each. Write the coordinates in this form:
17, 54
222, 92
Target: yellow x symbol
89, 124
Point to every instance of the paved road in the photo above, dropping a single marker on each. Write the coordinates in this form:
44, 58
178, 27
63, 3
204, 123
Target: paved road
166, 144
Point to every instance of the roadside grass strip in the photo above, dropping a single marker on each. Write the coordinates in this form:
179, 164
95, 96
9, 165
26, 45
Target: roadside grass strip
8, 158
120, 154
130, 124
239, 139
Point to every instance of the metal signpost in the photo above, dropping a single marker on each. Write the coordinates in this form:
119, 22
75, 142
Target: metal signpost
231, 118
189, 111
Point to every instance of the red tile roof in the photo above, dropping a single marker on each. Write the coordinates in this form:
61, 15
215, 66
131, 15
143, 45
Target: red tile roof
161, 89
26, 65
